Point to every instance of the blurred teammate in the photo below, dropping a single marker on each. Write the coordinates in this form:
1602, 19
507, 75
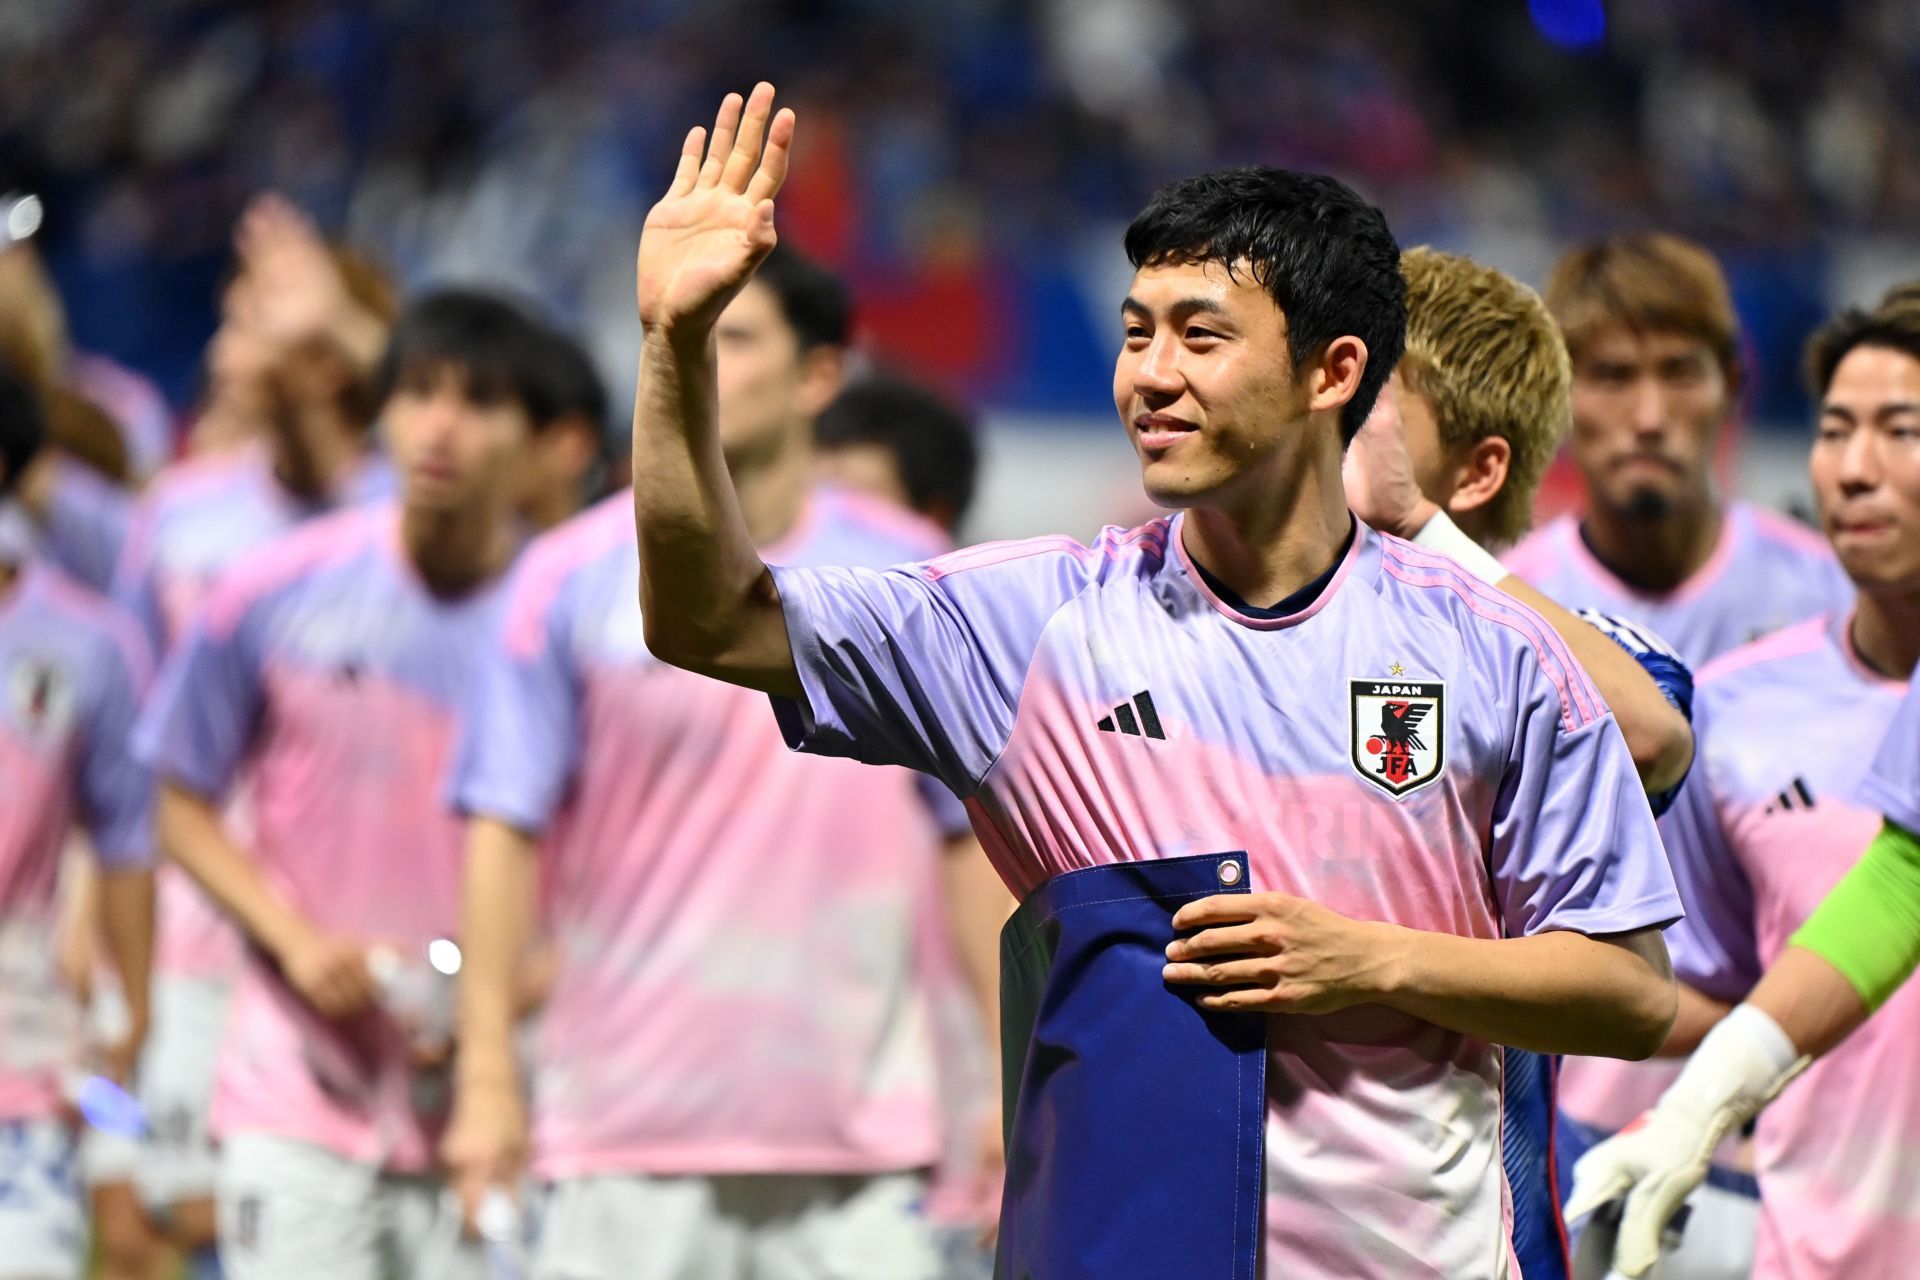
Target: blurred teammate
328, 670
762, 1107
1452, 455
1779, 812
72, 670
1256, 695
897, 440
1656, 374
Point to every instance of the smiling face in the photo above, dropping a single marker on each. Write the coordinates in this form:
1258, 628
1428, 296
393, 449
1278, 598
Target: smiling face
1865, 464
1205, 385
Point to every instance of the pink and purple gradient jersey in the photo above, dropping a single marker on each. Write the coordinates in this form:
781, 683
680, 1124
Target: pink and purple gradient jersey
325, 672
196, 520
747, 980
1771, 818
1767, 572
1411, 747
1893, 787
72, 671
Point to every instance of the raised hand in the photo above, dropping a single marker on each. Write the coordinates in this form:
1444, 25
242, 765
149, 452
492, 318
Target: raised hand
703, 240
1378, 473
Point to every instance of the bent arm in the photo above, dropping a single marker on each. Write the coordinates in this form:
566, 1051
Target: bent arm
1658, 736
1698, 1013
707, 598
189, 829
1555, 992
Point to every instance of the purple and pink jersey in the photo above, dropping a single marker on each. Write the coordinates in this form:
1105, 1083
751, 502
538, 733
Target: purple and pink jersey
196, 519
1767, 572
1773, 815
72, 671
1893, 787
324, 672
1411, 747
748, 976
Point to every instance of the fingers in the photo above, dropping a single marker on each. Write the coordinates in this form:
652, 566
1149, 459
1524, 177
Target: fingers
772, 173
721, 148
1650, 1207
1225, 973
1590, 1191
745, 156
1225, 908
1235, 940
688, 171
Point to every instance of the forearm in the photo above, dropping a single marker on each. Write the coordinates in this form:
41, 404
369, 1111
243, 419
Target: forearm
977, 906
126, 923
1865, 933
192, 835
705, 594
500, 886
1696, 1016
1658, 736
1555, 992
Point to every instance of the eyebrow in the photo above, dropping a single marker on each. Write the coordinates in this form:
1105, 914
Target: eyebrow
1183, 307
1879, 411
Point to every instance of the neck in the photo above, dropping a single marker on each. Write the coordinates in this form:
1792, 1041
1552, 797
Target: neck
458, 550
1655, 553
9, 578
315, 454
772, 484
1886, 634
1266, 550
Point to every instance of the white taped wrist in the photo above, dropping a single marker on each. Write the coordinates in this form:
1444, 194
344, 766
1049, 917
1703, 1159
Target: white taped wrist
1443, 535
1741, 1064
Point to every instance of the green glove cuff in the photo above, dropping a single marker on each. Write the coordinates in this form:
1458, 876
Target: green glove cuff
1869, 926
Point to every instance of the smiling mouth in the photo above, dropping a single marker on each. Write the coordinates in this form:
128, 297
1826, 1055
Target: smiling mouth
1157, 431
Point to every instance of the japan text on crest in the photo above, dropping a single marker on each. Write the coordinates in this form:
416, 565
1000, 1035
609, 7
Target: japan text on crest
1397, 735
40, 698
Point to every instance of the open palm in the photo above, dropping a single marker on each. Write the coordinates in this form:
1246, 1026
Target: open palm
703, 240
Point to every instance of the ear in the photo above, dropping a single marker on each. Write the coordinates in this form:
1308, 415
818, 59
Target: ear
1335, 377
1476, 474
570, 444
823, 371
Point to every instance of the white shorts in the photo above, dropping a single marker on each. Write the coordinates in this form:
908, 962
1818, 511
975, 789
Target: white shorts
175, 1161
293, 1211
1717, 1243
741, 1227
42, 1223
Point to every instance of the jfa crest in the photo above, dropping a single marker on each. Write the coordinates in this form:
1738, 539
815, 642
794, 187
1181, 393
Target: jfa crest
39, 698
1398, 732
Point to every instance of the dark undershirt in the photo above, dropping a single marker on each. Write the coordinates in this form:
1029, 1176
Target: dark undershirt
1294, 603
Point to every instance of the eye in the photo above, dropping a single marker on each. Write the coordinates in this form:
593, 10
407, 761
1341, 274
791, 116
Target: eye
1196, 333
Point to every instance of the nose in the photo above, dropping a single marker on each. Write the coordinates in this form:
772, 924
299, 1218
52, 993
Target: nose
1860, 461
1157, 376
1649, 407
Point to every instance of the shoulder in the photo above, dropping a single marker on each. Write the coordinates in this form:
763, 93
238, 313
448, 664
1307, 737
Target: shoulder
97, 624
1780, 536
558, 558
297, 556
192, 480
887, 532
1495, 628
1794, 662
1537, 554
1059, 561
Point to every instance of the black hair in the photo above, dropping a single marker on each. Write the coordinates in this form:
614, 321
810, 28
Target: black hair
932, 441
1325, 256
497, 346
813, 300
577, 388
23, 429
1893, 324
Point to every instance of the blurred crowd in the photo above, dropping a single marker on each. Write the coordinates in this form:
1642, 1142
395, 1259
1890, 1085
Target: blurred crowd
963, 160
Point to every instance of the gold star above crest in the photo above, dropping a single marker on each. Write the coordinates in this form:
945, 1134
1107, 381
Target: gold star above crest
1396, 669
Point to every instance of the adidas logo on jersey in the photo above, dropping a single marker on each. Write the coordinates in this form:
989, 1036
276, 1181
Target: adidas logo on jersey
1123, 719
1796, 796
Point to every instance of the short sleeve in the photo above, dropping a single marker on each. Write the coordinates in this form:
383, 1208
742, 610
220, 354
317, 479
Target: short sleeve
921, 665
520, 740
1574, 843
116, 790
200, 722
86, 525
135, 586
1893, 784
1714, 949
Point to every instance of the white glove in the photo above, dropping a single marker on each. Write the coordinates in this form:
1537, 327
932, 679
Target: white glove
1659, 1159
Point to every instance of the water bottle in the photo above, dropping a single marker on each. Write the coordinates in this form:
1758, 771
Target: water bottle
418, 991
502, 1235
